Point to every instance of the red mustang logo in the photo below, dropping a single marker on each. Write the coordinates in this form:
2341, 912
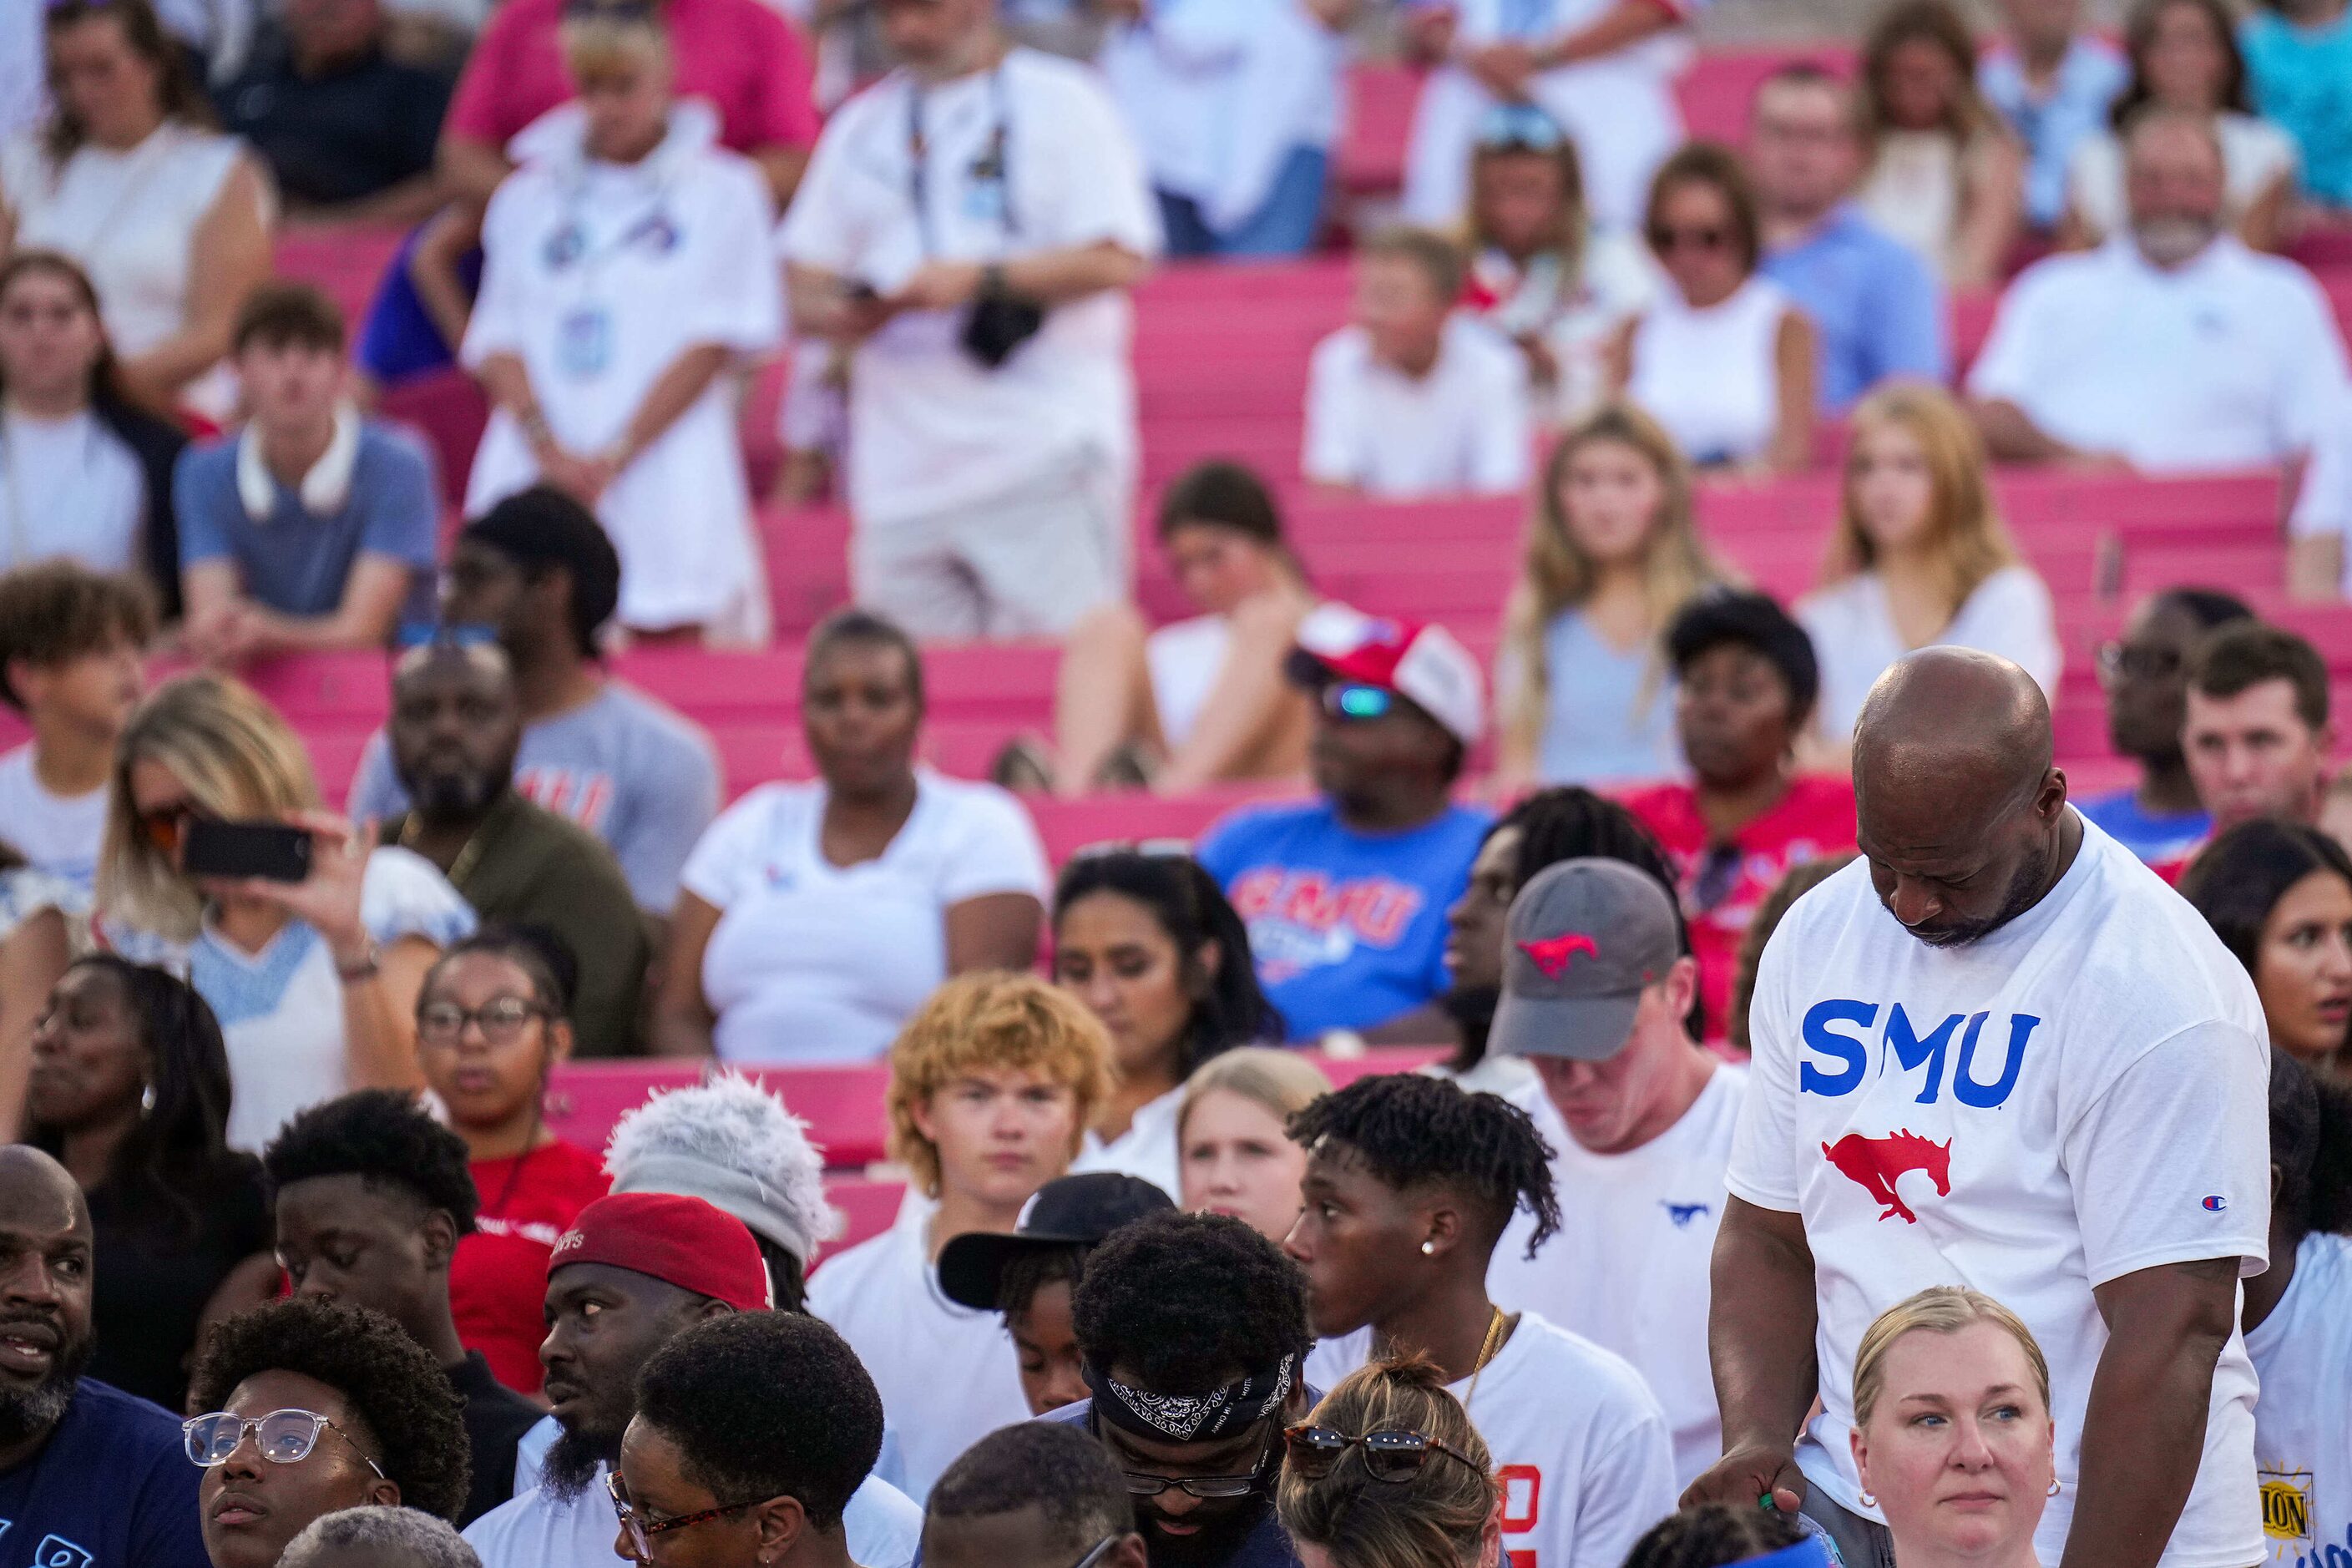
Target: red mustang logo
1877, 1163
1552, 955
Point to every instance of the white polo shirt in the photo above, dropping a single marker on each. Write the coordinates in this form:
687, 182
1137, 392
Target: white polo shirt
2231, 360
2080, 1094
1461, 429
931, 429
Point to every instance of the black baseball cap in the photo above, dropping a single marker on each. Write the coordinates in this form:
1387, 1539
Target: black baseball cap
1585, 939
1073, 1211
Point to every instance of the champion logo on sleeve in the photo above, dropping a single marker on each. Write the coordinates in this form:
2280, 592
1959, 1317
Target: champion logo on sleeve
2214, 1202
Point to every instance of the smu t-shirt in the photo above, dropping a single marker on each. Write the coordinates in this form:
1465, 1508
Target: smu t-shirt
1723, 884
1348, 928
2303, 1428
1628, 1269
2078, 1096
112, 1488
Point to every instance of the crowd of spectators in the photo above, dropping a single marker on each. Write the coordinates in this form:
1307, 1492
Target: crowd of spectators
1981, 1204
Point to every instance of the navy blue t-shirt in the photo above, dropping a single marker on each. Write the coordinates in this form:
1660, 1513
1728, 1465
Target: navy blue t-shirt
1348, 928
1267, 1546
112, 1489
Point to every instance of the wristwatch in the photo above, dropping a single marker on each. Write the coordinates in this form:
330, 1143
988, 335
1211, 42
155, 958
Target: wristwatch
367, 966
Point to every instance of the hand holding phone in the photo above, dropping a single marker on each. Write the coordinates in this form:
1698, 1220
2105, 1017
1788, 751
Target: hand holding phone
270, 852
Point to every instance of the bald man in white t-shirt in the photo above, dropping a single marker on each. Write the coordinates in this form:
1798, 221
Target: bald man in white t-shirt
1998, 1051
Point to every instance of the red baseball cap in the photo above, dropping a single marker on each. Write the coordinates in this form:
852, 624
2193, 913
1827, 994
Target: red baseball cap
1423, 664
681, 1241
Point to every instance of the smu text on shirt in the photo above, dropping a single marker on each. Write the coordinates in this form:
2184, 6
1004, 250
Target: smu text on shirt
1304, 920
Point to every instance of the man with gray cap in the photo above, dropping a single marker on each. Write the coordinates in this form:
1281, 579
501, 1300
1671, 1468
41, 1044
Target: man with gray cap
1595, 993
1997, 1049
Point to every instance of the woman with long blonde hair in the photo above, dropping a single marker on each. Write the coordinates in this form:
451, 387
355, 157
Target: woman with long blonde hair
1919, 557
315, 981
1388, 1473
1613, 552
1946, 175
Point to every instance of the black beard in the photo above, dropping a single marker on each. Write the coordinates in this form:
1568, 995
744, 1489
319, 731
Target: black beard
572, 1460
454, 797
1472, 1009
29, 1413
1213, 1545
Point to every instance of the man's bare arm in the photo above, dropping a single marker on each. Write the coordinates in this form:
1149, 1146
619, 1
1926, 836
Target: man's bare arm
1760, 1337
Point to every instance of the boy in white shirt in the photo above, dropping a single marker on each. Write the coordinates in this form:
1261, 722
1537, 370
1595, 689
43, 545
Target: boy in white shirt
1409, 1184
992, 1085
1415, 399
1649, 1114
70, 643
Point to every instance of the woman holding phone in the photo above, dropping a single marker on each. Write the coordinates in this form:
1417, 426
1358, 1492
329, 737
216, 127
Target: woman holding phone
311, 945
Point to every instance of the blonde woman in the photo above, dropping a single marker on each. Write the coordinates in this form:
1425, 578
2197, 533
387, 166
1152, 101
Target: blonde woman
1952, 1435
315, 982
1235, 1156
1946, 176
1613, 553
1388, 1473
1919, 557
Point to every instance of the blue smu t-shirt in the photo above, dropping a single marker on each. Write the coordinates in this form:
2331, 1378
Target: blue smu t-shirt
1348, 928
297, 563
2154, 839
112, 1489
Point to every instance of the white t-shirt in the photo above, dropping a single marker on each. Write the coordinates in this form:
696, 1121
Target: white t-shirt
1580, 1443
948, 1375
2090, 1084
2256, 154
2231, 360
931, 429
1854, 632
1628, 1267
1147, 1147
68, 486
599, 277
535, 1530
58, 833
1460, 429
2303, 1428
812, 962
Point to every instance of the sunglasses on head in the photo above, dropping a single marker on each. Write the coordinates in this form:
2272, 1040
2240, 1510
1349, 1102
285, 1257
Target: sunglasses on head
1391, 1457
1519, 128
284, 1436
1353, 699
1149, 848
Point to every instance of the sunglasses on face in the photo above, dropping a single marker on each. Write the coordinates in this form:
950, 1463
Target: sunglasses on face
1351, 699
642, 1527
164, 826
1666, 241
1392, 1456
284, 1436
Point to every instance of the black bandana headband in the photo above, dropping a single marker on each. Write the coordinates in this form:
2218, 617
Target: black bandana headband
1193, 1418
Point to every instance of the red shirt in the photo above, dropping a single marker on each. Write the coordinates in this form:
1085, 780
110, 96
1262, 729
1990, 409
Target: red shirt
498, 1281
1813, 819
741, 56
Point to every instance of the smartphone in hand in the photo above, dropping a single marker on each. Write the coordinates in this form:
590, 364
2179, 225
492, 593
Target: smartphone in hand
271, 851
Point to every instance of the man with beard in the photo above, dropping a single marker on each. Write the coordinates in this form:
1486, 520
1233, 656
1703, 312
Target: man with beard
635, 1271
1998, 1048
1564, 823
455, 730
88, 1473
1194, 1328
2174, 348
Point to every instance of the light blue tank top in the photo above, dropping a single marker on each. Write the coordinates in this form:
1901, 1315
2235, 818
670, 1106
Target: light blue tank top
1597, 727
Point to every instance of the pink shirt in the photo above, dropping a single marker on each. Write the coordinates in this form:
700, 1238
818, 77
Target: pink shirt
739, 55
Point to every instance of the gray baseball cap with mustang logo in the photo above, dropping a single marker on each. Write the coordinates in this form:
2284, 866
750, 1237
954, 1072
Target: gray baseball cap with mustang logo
1584, 937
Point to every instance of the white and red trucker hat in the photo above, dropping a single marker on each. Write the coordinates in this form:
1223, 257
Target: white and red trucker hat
1423, 664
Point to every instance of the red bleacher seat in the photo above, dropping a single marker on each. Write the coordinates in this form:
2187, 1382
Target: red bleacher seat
869, 1207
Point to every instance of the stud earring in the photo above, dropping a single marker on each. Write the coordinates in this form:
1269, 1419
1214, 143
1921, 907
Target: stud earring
1428, 1249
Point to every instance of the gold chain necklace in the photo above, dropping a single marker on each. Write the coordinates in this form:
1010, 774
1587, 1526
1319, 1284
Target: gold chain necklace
1493, 1341
460, 868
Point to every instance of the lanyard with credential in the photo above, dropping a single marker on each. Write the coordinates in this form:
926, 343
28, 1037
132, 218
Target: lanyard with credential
584, 335
994, 167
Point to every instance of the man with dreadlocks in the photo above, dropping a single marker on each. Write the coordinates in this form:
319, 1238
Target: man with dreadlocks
1410, 1184
2298, 1321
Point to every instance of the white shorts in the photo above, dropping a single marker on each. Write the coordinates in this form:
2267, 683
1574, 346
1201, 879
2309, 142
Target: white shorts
1027, 564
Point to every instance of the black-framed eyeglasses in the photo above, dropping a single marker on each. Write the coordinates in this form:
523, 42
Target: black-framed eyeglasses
1148, 1483
643, 1526
284, 1436
501, 1017
1393, 1456
2122, 661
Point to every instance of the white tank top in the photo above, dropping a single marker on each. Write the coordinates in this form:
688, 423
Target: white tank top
1710, 377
